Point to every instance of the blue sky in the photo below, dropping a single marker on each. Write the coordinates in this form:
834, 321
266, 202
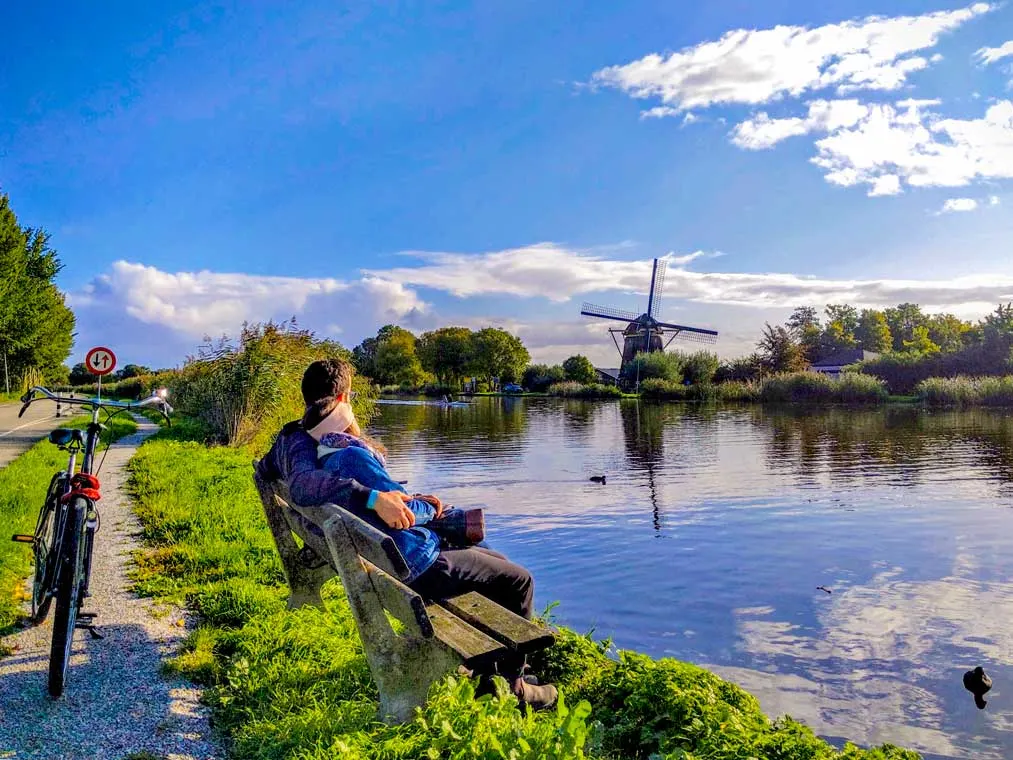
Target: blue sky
498, 163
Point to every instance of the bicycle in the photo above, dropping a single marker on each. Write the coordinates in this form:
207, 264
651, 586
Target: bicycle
65, 531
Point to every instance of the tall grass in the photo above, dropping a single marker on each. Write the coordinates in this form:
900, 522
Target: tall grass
571, 389
23, 486
295, 684
813, 387
966, 391
244, 392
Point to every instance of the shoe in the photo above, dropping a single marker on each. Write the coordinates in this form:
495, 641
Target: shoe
538, 697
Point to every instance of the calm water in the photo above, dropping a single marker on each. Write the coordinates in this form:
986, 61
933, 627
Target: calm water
716, 527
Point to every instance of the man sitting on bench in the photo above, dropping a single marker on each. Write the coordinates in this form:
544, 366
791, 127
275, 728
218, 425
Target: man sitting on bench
436, 571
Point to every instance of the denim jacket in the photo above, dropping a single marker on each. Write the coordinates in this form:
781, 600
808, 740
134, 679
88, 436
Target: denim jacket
293, 458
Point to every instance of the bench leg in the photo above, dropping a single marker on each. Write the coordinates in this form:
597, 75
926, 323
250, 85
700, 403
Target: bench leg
404, 680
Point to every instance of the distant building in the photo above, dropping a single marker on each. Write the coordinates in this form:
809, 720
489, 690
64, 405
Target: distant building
835, 363
607, 376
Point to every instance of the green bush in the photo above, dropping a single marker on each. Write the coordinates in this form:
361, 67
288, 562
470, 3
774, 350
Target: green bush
296, 684
655, 366
243, 393
538, 377
737, 390
813, 387
571, 389
855, 388
966, 391
665, 390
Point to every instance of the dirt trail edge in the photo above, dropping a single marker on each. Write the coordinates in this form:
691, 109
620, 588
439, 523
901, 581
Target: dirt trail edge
116, 702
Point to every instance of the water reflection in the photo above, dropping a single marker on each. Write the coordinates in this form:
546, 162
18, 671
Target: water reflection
717, 526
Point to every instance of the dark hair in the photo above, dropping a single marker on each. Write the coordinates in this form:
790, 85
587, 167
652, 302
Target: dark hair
326, 378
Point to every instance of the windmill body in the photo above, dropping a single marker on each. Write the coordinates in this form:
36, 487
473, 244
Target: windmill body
644, 333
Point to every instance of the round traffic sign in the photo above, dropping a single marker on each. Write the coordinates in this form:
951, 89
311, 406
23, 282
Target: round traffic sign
100, 361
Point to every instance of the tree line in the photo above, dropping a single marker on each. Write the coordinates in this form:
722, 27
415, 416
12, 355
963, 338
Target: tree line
36, 326
912, 344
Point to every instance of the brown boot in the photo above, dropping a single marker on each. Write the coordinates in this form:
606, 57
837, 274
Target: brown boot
539, 697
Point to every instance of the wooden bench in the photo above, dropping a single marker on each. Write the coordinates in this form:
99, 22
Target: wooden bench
434, 637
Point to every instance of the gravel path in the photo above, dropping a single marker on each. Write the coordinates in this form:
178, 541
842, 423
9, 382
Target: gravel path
116, 701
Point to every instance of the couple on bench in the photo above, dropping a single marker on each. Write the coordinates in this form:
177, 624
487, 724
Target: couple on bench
326, 458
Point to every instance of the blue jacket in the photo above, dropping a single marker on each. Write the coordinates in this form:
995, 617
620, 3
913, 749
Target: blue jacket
293, 458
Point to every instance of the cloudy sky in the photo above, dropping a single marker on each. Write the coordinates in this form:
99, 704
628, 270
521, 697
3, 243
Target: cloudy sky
199, 165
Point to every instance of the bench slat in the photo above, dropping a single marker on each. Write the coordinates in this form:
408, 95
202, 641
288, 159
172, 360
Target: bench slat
473, 646
398, 599
376, 546
518, 634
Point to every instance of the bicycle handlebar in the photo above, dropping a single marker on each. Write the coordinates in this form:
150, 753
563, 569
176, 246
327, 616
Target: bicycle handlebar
44, 393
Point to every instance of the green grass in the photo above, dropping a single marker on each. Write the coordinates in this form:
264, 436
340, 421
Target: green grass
23, 485
571, 389
295, 684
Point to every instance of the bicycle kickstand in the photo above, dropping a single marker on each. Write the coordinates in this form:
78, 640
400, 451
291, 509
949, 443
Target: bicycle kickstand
86, 622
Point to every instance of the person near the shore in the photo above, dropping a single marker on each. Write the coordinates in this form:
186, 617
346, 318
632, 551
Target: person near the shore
435, 571
342, 448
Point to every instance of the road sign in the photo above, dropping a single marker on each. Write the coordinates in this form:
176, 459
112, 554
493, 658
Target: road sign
100, 361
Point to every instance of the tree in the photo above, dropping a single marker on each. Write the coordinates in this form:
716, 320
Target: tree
497, 353
997, 333
79, 375
873, 333
902, 321
580, 370
803, 317
132, 370
446, 352
364, 357
780, 350
948, 332
538, 377
804, 322
743, 369
396, 361
920, 342
36, 327
700, 367
845, 315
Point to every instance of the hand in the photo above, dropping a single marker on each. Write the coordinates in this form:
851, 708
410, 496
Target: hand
390, 505
437, 504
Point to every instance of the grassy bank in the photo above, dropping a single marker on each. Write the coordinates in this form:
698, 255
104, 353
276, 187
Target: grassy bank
296, 684
23, 485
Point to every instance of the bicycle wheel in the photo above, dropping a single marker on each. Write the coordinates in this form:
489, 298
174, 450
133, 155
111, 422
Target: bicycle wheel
67, 596
45, 550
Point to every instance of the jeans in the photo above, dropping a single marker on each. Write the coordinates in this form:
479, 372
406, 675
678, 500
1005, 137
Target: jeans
458, 571
358, 464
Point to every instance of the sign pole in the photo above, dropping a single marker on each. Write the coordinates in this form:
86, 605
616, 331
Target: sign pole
7, 378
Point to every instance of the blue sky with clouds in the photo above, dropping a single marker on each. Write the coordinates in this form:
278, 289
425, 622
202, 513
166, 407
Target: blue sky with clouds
498, 163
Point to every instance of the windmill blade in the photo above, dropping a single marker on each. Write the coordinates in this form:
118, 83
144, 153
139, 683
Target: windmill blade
690, 337
659, 286
684, 328
608, 312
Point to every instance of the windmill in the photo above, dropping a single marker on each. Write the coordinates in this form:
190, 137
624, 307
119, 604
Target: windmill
644, 333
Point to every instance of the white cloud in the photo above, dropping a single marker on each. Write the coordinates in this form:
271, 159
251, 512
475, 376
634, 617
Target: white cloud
958, 204
762, 132
987, 55
749, 66
919, 148
659, 112
993, 200
202, 303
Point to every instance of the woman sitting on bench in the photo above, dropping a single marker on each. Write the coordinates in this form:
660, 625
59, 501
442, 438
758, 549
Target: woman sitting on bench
437, 569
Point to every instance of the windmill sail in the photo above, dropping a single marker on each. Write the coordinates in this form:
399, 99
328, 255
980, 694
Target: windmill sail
657, 287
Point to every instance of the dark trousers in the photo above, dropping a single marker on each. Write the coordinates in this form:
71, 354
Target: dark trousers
458, 571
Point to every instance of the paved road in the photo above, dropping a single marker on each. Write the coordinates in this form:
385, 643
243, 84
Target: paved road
16, 435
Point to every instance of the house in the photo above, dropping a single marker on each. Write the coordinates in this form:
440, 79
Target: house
608, 376
834, 363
